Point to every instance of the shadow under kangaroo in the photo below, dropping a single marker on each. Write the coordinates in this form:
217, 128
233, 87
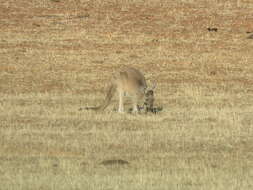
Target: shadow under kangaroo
129, 82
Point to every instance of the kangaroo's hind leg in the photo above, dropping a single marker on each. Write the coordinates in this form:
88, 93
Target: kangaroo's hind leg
121, 103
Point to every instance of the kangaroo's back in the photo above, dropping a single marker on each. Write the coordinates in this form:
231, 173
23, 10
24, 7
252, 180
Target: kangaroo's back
130, 80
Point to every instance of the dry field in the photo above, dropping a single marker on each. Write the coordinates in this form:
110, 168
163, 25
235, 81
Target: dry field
57, 56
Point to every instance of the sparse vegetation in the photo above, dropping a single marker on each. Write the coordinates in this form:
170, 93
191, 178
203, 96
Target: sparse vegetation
57, 57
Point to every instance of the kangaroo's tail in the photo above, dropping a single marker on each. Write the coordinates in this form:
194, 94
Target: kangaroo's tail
111, 91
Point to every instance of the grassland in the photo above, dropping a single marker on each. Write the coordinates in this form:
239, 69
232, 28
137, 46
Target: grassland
57, 56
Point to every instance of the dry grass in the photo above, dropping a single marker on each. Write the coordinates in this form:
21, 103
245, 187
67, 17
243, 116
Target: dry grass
56, 56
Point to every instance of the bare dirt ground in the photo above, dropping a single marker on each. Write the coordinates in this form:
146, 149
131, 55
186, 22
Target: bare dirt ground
57, 56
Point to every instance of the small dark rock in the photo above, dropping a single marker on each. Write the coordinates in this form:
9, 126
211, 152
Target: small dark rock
35, 24
55, 165
212, 29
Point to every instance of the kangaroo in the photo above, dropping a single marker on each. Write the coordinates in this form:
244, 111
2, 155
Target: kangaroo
128, 81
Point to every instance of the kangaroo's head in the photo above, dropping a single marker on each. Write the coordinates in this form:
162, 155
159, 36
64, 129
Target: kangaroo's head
149, 99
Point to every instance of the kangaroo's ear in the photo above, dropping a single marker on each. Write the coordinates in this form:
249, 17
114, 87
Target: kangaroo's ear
154, 86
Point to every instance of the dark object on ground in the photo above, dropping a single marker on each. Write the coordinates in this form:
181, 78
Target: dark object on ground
213, 73
249, 32
212, 29
114, 162
35, 24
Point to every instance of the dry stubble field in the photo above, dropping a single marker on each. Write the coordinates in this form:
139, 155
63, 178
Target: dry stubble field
57, 56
